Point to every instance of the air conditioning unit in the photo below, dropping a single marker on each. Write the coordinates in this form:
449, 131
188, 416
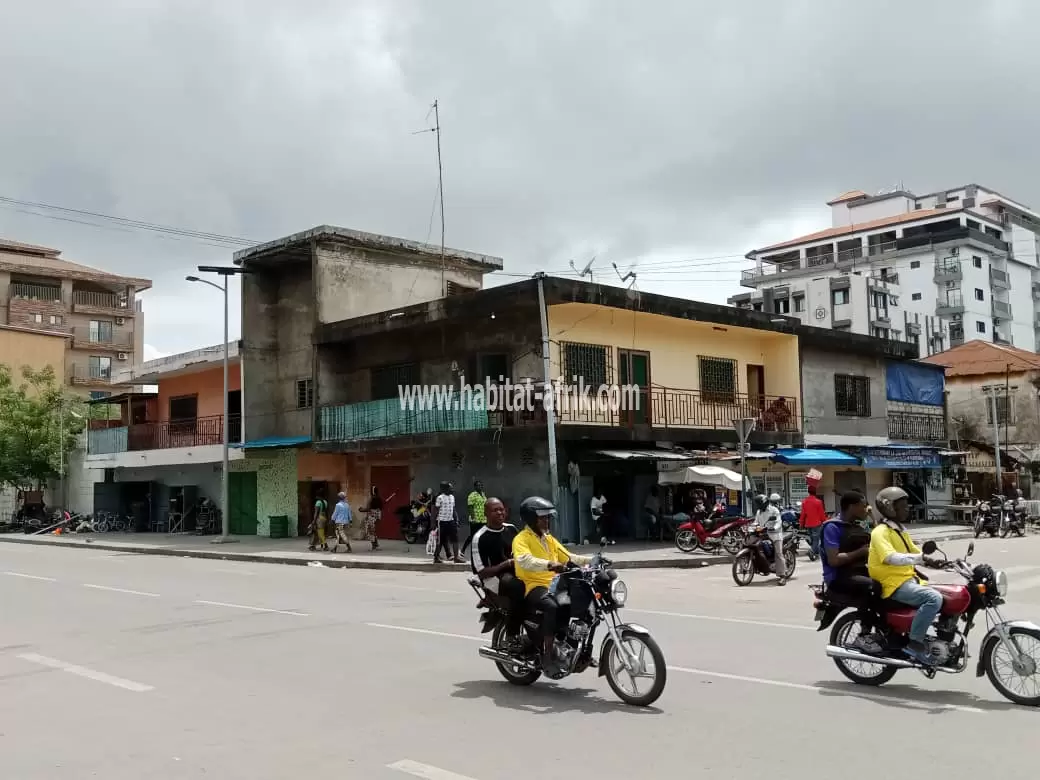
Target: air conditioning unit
124, 356
120, 320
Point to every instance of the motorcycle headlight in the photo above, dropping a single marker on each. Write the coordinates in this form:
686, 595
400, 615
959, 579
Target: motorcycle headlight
1002, 583
619, 592
1009, 506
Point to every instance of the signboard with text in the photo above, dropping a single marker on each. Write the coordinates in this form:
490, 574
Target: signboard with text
886, 458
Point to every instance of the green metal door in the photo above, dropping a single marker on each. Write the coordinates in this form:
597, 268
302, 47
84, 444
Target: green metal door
242, 503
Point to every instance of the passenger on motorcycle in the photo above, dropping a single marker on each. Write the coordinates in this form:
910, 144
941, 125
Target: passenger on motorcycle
891, 562
539, 557
491, 557
846, 545
767, 515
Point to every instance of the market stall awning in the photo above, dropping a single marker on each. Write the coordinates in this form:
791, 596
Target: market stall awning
749, 455
823, 457
647, 454
705, 475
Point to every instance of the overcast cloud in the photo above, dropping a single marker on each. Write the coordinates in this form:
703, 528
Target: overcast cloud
640, 133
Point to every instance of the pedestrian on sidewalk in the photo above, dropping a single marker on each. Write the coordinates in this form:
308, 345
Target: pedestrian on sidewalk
319, 523
447, 526
341, 517
372, 516
812, 518
477, 517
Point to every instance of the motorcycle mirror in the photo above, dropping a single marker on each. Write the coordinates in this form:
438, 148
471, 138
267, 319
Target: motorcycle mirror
930, 547
971, 549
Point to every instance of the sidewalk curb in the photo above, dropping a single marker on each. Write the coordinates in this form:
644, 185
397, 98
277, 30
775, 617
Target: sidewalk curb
684, 562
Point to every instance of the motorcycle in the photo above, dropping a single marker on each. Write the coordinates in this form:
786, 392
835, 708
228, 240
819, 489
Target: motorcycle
1013, 518
880, 651
588, 597
789, 518
415, 522
987, 516
728, 535
750, 561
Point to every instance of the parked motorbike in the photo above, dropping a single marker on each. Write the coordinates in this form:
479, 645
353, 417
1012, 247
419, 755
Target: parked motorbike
876, 654
1014, 517
415, 523
588, 597
757, 557
987, 516
711, 533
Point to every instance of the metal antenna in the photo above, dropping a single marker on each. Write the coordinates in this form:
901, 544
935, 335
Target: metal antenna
630, 275
440, 176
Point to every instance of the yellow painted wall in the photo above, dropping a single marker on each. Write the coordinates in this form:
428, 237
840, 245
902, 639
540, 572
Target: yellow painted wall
36, 350
674, 345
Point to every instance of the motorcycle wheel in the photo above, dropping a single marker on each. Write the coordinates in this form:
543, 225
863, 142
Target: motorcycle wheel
790, 561
513, 674
411, 537
839, 637
687, 541
616, 668
978, 528
743, 568
1005, 529
994, 645
732, 541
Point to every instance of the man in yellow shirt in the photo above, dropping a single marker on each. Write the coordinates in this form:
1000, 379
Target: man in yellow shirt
539, 558
891, 562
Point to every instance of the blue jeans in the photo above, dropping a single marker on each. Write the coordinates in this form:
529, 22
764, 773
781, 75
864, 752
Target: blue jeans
814, 539
928, 602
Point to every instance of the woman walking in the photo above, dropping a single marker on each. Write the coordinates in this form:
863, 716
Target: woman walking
375, 512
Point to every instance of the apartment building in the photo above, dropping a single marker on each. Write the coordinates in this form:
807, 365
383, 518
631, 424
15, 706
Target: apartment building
99, 311
936, 270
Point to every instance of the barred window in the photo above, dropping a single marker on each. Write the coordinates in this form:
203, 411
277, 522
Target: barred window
718, 379
387, 379
588, 362
304, 393
1005, 407
851, 395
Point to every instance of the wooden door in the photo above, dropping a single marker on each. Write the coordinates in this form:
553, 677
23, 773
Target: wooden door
242, 520
304, 507
634, 369
756, 387
394, 483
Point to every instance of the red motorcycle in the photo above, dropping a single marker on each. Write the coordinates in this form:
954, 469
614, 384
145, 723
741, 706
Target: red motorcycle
711, 531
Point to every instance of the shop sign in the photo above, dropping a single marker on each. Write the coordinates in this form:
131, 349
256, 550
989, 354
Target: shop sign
885, 458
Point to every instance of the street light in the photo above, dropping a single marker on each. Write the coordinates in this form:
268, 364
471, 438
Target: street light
224, 272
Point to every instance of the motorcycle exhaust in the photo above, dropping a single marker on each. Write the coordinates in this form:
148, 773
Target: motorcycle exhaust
852, 655
503, 658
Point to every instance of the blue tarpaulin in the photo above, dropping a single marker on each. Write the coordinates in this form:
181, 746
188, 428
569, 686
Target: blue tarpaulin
799, 457
915, 383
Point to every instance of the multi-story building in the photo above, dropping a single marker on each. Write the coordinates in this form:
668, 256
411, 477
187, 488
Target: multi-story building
936, 270
39, 290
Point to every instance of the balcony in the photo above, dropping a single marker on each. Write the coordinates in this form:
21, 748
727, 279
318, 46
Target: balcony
386, 419
880, 315
668, 408
200, 432
85, 338
953, 303
36, 292
999, 279
912, 426
119, 305
948, 269
90, 376
1001, 310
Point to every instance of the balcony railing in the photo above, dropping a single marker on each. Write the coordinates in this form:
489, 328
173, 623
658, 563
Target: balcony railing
36, 292
912, 426
667, 408
386, 419
112, 342
106, 301
200, 432
91, 375
952, 303
1000, 279
1001, 309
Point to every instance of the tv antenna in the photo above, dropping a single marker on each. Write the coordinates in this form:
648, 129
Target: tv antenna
630, 275
586, 271
436, 129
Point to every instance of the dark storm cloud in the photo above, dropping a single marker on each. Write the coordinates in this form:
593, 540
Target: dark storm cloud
571, 129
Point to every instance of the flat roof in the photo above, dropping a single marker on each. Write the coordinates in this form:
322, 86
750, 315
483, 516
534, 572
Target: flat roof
151, 371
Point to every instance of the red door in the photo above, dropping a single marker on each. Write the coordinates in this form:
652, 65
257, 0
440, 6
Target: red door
394, 483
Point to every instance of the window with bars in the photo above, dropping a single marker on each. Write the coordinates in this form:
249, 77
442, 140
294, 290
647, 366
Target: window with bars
387, 379
1005, 407
766, 484
851, 395
718, 379
588, 362
304, 393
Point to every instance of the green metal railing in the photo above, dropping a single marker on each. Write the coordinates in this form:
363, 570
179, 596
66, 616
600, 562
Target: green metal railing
386, 419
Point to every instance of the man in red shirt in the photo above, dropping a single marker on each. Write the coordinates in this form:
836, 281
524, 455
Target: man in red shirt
812, 518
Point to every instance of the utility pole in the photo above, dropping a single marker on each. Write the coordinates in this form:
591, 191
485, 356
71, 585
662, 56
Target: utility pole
440, 183
548, 400
996, 438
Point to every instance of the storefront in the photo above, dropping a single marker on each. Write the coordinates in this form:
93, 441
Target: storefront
786, 470
918, 470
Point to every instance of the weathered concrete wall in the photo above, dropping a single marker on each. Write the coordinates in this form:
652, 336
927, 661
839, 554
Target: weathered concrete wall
969, 404
818, 370
352, 282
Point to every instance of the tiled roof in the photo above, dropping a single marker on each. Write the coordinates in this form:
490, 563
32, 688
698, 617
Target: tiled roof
30, 259
29, 249
850, 195
848, 230
979, 358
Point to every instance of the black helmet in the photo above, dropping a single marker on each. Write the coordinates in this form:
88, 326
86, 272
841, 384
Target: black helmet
759, 502
534, 507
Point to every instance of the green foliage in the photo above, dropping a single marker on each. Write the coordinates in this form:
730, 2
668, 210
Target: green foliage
31, 411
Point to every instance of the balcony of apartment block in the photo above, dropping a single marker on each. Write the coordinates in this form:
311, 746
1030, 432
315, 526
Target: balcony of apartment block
999, 280
951, 303
177, 434
35, 292
956, 335
1001, 310
112, 304
103, 341
948, 269
91, 376
915, 426
880, 316
676, 409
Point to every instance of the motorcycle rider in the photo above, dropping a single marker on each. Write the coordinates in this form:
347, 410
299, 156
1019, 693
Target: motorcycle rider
891, 562
767, 515
539, 557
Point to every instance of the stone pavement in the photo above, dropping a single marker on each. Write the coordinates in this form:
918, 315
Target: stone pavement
392, 555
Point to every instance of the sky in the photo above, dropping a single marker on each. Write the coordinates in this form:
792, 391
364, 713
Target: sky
668, 138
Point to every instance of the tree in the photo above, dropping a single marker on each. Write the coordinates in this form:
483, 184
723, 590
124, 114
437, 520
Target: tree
31, 441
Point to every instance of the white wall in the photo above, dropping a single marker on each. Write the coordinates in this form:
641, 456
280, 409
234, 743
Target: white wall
889, 207
1020, 296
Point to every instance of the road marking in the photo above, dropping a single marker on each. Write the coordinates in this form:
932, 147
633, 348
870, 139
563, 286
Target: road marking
427, 631
28, 576
368, 584
822, 689
122, 590
252, 609
741, 621
90, 674
415, 769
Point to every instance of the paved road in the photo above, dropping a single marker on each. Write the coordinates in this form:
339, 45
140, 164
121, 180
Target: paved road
122, 666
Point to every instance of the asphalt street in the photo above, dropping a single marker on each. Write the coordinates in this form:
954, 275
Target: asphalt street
124, 666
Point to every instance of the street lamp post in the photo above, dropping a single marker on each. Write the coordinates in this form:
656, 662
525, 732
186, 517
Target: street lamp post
224, 272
